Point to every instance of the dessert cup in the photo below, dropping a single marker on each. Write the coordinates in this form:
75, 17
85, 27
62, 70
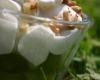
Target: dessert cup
51, 53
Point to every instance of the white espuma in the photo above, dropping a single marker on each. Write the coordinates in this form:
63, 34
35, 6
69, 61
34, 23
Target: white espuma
40, 40
33, 45
46, 7
10, 4
8, 26
48, 4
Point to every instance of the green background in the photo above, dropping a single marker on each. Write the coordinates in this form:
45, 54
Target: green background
86, 64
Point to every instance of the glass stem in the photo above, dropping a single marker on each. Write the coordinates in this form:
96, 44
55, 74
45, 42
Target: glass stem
43, 73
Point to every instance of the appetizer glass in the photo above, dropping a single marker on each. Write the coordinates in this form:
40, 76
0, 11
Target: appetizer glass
16, 67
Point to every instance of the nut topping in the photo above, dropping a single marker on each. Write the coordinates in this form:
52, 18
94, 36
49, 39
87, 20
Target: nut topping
24, 27
66, 16
69, 2
30, 7
76, 9
54, 27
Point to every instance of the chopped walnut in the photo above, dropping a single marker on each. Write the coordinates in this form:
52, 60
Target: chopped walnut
30, 7
69, 28
72, 3
57, 17
69, 2
74, 6
54, 27
77, 9
66, 15
66, 1
24, 27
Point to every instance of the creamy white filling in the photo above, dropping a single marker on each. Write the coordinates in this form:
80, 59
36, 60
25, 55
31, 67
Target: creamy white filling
8, 30
48, 5
10, 4
33, 45
8, 26
36, 44
39, 41
60, 44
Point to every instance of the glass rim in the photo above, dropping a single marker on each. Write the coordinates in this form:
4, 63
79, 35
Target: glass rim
85, 20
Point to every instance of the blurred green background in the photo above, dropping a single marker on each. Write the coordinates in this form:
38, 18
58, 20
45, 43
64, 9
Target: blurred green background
86, 64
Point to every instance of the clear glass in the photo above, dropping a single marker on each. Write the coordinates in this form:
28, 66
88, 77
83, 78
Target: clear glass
15, 67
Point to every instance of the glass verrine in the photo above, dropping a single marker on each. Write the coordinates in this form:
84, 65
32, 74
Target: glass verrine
50, 53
